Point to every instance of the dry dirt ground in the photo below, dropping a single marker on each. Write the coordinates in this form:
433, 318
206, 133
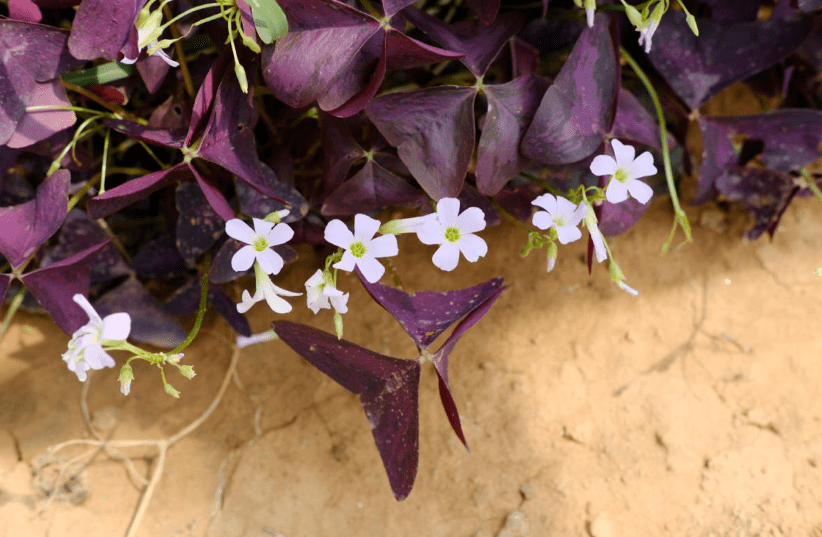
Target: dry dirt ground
690, 410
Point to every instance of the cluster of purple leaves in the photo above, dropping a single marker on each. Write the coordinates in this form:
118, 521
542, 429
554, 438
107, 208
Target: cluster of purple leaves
411, 104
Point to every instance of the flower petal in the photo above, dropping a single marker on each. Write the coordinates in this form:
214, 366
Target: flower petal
383, 246
261, 227
237, 229
82, 301
565, 208
567, 234
280, 234
616, 192
340, 303
338, 234
599, 244
347, 263
269, 260
248, 301
643, 166
448, 210
365, 227
640, 190
447, 256
243, 259
372, 270
471, 220
116, 327
472, 247
624, 153
431, 233
547, 202
97, 358
277, 303
543, 220
603, 165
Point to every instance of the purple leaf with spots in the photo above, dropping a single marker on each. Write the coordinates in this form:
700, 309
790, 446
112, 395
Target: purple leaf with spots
764, 193
39, 125
186, 300
617, 218
427, 314
159, 258
198, 226
102, 27
578, 109
789, 138
433, 131
698, 67
634, 123
79, 232
54, 285
150, 324
511, 108
25, 227
372, 188
388, 389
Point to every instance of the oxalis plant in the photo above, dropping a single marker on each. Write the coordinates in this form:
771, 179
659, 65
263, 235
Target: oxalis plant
182, 145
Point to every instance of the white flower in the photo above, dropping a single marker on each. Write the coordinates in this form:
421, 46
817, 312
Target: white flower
268, 291
627, 288
259, 242
590, 9
253, 339
85, 350
361, 248
596, 235
321, 293
561, 214
160, 52
625, 172
645, 35
455, 233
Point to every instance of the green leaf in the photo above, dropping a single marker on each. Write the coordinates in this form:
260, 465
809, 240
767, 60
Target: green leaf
100, 74
269, 20
692, 23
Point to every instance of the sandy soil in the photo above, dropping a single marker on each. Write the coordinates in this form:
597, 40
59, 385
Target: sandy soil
691, 410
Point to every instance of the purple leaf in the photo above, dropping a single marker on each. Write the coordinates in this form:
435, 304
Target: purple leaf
159, 258
198, 226
323, 37
388, 389
372, 188
487, 10
186, 300
765, 194
391, 7
725, 12
617, 218
24, 10
698, 67
433, 131
79, 232
159, 135
153, 70
359, 82
25, 227
516, 198
213, 195
135, 189
405, 53
790, 139
31, 53
809, 5
39, 125
340, 150
440, 360
427, 314
102, 27
54, 285
511, 108
150, 324
479, 41
634, 123
578, 109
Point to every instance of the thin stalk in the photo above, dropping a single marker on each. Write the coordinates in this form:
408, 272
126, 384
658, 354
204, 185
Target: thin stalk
202, 308
178, 46
13, 307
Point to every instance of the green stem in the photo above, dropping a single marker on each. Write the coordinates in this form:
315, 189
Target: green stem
13, 307
541, 183
508, 216
201, 310
680, 218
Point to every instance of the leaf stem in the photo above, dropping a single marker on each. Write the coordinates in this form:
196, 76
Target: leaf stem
680, 218
13, 307
201, 310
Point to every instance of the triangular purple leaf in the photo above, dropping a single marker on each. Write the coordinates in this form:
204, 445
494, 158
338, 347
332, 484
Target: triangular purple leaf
764, 193
634, 123
578, 109
135, 189
79, 232
39, 125
698, 67
25, 227
516, 198
427, 314
55, 285
487, 10
148, 133
323, 37
357, 84
433, 131
198, 226
406, 53
186, 300
340, 150
440, 360
478, 41
511, 108
617, 218
150, 324
372, 188
213, 196
102, 27
159, 258
388, 389
394, 6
